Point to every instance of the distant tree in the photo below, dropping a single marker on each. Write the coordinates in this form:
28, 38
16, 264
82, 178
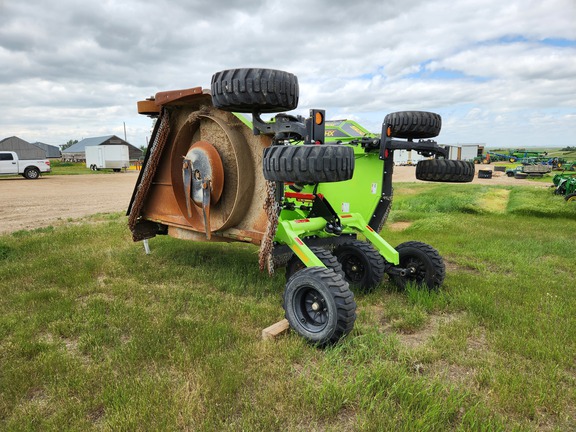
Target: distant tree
68, 144
570, 149
143, 148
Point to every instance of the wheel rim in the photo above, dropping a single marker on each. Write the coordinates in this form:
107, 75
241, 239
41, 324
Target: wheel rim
419, 267
311, 309
354, 268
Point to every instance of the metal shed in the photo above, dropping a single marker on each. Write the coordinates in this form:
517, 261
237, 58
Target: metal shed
23, 149
52, 152
78, 150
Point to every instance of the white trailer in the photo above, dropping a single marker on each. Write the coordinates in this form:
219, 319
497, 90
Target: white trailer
115, 157
407, 157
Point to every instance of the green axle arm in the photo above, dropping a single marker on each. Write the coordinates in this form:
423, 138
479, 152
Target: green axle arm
289, 232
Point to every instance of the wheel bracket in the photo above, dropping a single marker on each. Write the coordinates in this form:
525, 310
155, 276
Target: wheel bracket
399, 271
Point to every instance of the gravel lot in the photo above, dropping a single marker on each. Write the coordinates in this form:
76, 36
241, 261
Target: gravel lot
53, 200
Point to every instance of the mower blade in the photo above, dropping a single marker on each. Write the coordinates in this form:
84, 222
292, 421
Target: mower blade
207, 188
187, 180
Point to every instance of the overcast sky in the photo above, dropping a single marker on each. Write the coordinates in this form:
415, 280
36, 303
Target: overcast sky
499, 72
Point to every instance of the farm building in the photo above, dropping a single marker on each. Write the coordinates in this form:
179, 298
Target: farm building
466, 152
26, 150
22, 148
52, 152
77, 152
407, 157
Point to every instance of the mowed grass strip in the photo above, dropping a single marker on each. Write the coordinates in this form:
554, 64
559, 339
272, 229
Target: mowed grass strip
96, 335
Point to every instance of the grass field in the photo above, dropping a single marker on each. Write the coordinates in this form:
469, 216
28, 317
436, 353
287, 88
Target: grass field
96, 335
74, 168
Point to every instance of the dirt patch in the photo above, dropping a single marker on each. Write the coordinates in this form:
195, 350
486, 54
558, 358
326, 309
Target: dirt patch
452, 267
477, 350
494, 200
451, 372
420, 337
54, 200
399, 226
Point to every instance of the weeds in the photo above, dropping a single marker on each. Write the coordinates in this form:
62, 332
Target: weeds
94, 334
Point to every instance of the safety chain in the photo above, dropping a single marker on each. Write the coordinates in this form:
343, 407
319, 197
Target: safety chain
155, 150
383, 221
272, 208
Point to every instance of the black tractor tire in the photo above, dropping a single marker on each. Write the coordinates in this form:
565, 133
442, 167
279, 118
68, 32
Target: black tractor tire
428, 265
319, 305
362, 264
560, 190
308, 163
445, 170
510, 173
31, 173
414, 124
250, 90
295, 264
570, 197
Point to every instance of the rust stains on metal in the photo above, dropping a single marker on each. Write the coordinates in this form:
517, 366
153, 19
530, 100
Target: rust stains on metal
166, 97
236, 208
148, 107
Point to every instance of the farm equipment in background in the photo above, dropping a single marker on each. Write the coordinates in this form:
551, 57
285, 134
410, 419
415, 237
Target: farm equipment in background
523, 171
523, 156
565, 184
562, 164
491, 156
313, 201
499, 157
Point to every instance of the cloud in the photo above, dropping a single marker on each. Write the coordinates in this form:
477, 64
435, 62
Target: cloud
72, 70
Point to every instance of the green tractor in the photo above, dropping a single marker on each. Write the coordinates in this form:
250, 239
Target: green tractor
313, 201
565, 184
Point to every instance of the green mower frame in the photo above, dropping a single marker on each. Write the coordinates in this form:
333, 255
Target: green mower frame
329, 192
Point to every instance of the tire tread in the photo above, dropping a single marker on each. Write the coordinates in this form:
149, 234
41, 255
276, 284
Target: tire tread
445, 170
308, 163
343, 297
434, 256
375, 261
253, 89
414, 124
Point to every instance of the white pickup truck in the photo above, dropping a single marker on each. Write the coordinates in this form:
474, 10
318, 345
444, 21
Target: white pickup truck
10, 164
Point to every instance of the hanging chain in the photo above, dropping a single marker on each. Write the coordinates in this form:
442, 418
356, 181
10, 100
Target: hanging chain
383, 221
271, 207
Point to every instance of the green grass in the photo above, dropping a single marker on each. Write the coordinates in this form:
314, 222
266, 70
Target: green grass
72, 168
96, 335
